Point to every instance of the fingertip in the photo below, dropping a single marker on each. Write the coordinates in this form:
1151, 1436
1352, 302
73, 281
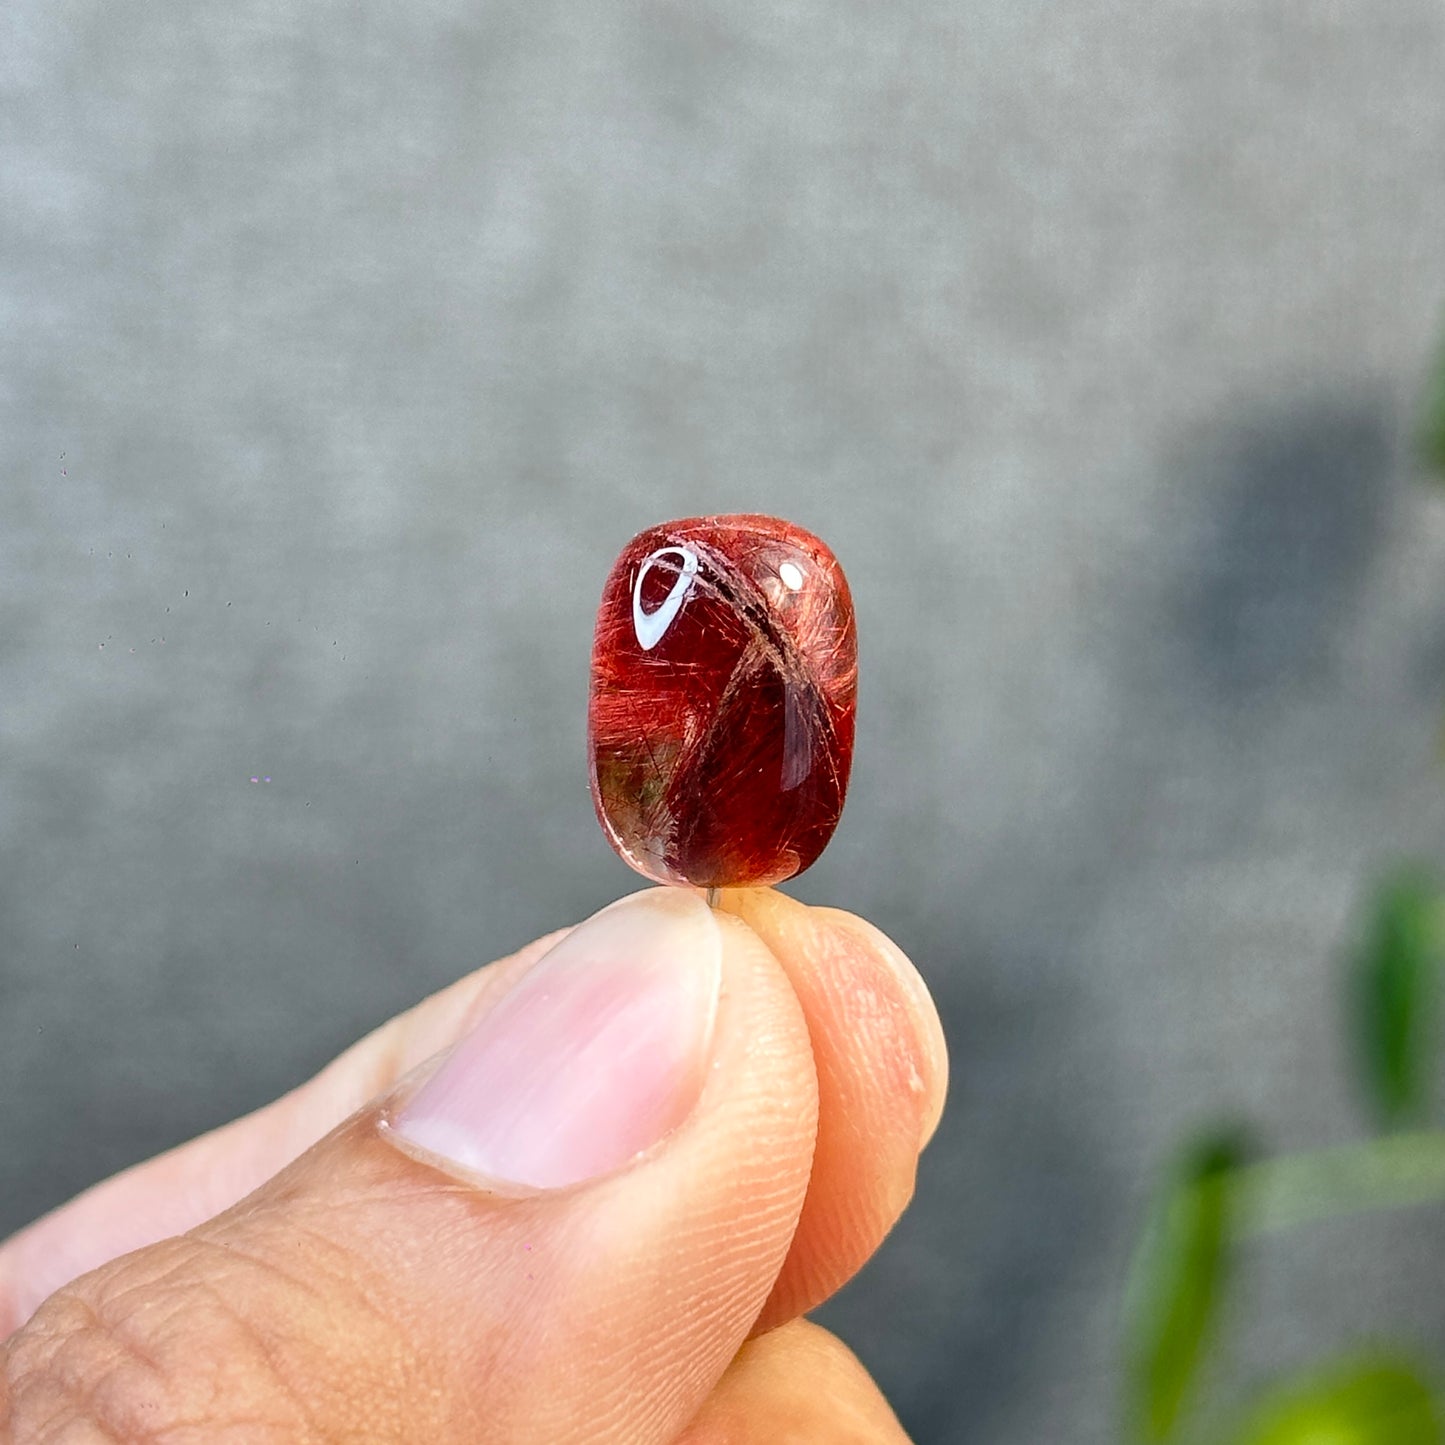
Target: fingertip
880, 1079
932, 1045
791, 928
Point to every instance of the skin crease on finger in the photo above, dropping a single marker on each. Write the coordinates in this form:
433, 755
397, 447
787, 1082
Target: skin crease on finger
851, 993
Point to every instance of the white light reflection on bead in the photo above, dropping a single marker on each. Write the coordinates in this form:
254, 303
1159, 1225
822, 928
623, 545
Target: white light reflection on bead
649, 626
792, 576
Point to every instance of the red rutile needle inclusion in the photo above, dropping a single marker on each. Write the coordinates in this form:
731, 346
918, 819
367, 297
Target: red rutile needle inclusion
720, 722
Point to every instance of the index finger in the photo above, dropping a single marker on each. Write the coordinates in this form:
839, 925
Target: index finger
882, 1067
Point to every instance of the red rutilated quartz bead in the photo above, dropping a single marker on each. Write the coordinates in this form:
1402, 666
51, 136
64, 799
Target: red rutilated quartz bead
720, 722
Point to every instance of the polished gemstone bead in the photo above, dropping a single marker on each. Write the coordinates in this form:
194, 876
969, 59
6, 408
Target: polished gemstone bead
720, 721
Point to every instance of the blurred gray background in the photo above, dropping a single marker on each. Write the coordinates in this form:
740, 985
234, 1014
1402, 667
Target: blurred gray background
342, 347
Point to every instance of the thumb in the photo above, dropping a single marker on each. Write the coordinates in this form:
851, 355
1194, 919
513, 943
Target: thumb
561, 1229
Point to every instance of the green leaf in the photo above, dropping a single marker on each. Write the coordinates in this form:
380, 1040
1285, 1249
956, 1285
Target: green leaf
1354, 1402
1432, 420
1176, 1280
1396, 973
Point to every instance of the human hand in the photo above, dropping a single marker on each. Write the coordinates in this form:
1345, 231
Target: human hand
598, 1217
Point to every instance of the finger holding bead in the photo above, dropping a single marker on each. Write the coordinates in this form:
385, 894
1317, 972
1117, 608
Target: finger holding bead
872, 1032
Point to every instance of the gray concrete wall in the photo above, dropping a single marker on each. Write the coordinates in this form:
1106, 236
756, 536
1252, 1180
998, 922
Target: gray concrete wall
342, 346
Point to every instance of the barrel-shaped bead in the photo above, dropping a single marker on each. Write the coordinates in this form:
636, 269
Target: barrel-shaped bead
720, 719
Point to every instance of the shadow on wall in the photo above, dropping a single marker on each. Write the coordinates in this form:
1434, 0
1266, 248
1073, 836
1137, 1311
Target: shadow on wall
1299, 502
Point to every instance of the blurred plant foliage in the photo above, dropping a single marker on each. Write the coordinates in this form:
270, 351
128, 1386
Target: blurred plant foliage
1214, 1196
1355, 1401
1432, 421
1395, 976
1178, 1274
